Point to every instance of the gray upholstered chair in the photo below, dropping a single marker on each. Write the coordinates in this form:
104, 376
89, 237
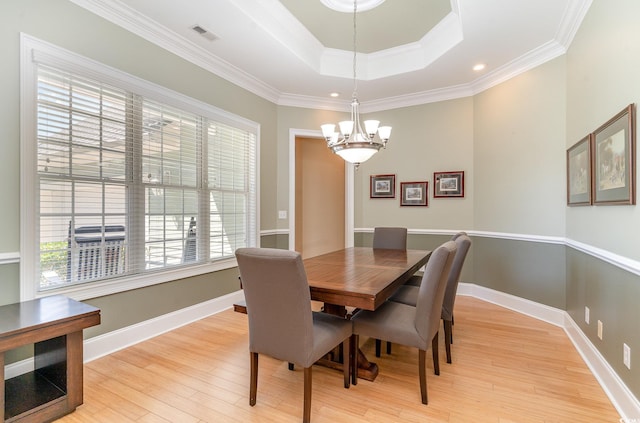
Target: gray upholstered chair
408, 294
412, 326
390, 238
415, 280
281, 322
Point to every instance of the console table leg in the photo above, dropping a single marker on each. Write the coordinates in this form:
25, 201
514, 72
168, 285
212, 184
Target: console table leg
2, 384
74, 369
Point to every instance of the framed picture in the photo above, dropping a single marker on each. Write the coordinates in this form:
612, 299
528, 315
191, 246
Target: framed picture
448, 184
579, 181
413, 193
383, 186
614, 170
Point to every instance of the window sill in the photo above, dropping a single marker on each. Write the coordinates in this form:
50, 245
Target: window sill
114, 286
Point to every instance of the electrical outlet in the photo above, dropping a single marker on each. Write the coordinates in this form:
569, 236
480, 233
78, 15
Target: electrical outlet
282, 214
626, 355
600, 329
586, 314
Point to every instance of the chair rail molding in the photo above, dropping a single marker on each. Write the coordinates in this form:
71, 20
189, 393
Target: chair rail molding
270, 232
625, 263
9, 258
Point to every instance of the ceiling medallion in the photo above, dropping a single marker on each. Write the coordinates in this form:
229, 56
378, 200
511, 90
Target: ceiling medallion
347, 5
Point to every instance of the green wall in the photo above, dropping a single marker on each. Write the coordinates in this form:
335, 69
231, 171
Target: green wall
611, 294
427, 138
510, 140
91, 36
519, 160
602, 78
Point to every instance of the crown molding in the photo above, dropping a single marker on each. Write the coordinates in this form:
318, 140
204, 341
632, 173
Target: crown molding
393, 61
416, 99
126, 17
129, 19
528, 61
571, 20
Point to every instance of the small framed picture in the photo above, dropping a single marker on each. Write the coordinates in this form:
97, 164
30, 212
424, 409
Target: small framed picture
614, 164
448, 184
579, 173
413, 193
383, 186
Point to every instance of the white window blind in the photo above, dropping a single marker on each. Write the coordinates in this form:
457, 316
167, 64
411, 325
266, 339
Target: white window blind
129, 185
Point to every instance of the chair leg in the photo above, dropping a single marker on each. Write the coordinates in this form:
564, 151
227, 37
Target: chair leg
378, 345
422, 373
253, 385
346, 361
306, 413
447, 339
355, 341
452, 323
434, 350
388, 348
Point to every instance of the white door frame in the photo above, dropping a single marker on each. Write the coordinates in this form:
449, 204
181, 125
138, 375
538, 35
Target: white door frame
348, 189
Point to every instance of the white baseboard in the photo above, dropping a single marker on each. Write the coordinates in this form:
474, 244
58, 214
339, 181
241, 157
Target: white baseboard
621, 397
623, 400
536, 310
108, 343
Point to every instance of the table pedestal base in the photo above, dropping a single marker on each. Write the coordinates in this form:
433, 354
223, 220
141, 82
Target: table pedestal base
366, 369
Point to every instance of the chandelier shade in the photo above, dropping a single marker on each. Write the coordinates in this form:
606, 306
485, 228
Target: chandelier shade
353, 143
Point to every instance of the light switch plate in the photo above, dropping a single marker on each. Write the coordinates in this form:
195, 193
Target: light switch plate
626, 356
600, 329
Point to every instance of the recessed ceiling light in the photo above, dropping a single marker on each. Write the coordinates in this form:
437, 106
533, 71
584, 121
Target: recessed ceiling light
335, 94
479, 67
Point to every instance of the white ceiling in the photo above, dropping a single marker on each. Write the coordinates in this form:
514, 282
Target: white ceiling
297, 52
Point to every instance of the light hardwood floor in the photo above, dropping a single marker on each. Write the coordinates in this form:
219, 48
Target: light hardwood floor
507, 367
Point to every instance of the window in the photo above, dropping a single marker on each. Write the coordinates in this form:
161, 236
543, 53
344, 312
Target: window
127, 183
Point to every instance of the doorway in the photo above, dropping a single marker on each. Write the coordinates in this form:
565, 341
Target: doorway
320, 196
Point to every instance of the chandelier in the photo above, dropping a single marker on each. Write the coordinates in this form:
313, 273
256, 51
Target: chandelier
353, 143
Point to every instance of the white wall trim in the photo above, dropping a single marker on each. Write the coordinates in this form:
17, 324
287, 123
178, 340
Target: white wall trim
270, 232
622, 262
110, 342
116, 340
625, 263
530, 308
311, 52
349, 177
8, 258
622, 398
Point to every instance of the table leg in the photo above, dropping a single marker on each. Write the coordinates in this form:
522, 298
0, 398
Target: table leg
366, 369
336, 310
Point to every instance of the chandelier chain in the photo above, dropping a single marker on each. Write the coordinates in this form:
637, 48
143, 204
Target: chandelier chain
355, 80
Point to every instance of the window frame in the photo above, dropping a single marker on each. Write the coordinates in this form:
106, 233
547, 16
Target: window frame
34, 50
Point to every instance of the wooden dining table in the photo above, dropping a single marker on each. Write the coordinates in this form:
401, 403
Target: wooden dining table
360, 278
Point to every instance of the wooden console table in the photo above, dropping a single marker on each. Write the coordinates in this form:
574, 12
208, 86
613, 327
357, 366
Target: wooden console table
54, 326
